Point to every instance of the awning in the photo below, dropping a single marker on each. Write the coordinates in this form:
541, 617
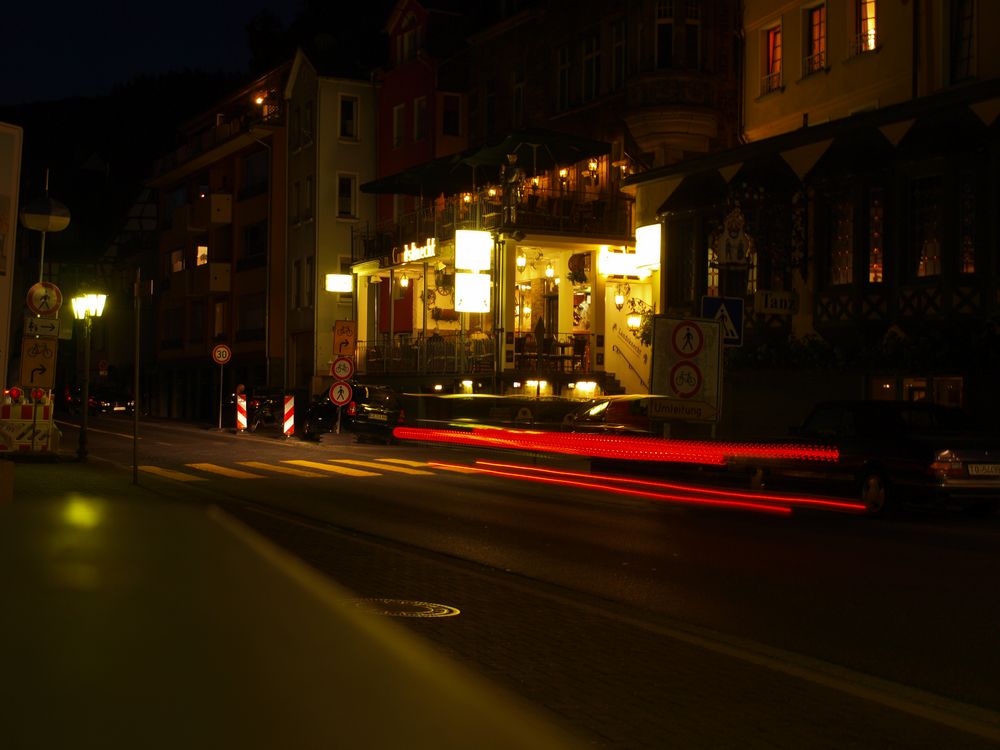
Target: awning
699, 190
448, 174
538, 150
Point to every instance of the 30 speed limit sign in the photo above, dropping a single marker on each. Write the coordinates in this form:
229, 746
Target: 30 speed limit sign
221, 354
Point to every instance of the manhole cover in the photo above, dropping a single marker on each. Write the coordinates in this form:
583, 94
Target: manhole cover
404, 608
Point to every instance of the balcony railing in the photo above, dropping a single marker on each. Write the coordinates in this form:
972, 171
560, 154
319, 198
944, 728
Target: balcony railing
538, 210
457, 353
814, 63
866, 41
770, 82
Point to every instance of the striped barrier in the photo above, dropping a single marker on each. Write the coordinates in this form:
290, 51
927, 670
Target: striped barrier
27, 427
289, 424
241, 413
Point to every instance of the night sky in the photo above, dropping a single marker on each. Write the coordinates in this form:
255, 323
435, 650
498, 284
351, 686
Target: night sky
59, 49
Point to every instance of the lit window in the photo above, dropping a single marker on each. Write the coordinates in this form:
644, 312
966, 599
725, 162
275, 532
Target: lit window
771, 80
712, 286
202, 257
967, 222
866, 37
177, 261
927, 210
876, 263
815, 59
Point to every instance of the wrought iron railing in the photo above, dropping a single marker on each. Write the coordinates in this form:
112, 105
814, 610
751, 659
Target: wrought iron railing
536, 209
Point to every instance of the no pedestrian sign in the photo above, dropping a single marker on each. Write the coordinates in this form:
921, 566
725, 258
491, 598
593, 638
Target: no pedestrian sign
340, 393
687, 369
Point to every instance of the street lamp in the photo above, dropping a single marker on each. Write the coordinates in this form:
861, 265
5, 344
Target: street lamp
86, 307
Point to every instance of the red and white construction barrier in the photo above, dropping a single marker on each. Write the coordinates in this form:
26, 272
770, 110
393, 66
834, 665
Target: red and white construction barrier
289, 424
27, 427
241, 412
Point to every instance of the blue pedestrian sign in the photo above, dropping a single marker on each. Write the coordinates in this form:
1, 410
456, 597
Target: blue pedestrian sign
729, 312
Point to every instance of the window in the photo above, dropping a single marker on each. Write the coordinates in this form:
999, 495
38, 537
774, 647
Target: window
398, 119
692, 36
451, 123
967, 221
295, 211
295, 129
309, 281
489, 107
346, 195
562, 78
961, 47
842, 241
349, 118
177, 261
196, 322
617, 55
591, 67
876, 260
256, 168
307, 198
201, 257
712, 273
219, 321
927, 211
297, 284
419, 118
250, 318
815, 38
771, 79
664, 34
307, 124
255, 243
865, 35
517, 97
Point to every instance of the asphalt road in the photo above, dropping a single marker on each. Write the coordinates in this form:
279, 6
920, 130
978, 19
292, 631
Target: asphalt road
637, 622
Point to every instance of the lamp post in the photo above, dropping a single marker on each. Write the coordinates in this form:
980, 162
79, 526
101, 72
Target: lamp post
86, 307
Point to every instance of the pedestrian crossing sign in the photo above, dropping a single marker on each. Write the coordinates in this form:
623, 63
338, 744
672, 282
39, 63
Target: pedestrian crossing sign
729, 312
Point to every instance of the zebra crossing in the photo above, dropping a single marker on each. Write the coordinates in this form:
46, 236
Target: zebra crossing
306, 469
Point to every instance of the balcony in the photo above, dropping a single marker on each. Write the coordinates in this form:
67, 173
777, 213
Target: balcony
207, 278
215, 209
537, 210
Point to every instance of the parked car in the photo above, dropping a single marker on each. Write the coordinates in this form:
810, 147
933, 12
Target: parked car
320, 417
615, 415
374, 411
890, 453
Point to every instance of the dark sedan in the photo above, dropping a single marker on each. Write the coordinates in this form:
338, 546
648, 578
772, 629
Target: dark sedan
890, 453
375, 410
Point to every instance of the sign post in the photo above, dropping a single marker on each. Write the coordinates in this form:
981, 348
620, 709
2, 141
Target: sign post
687, 367
220, 355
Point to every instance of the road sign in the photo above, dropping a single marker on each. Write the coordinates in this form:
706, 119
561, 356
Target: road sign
340, 393
729, 312
345, 334
342, 368
687, 368
221, 354
44, 298
41, 326
38, 362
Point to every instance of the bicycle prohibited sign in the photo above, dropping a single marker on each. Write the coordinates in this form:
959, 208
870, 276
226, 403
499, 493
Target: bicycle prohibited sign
685, 379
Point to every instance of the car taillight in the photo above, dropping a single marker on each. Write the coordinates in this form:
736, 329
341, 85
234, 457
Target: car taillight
352, 409
947, 464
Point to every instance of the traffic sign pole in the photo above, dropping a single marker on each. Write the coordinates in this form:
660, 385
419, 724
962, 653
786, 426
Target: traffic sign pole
220, 355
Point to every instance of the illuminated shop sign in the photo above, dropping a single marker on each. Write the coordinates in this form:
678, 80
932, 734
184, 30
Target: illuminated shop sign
472, 249
472, 292
413, 251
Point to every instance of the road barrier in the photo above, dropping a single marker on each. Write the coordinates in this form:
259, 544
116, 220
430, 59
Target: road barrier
289, 423
27, 427
241, 412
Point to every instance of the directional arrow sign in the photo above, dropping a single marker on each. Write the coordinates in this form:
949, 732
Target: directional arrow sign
41, 326
38, 362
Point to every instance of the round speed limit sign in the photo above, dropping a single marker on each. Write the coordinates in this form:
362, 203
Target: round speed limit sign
221, 354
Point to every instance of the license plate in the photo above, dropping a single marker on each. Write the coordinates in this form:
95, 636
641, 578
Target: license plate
379, 417
119, 408
984, 470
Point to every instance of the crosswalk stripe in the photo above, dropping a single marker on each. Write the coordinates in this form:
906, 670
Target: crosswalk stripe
179, 476
346, 470
402, 461
225, 471
280, 469
457, 469
383, 467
